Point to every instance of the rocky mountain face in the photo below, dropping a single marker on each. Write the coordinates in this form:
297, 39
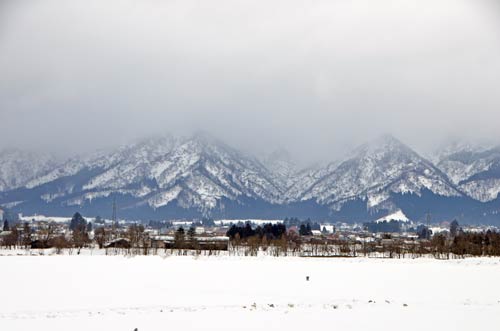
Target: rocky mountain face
475, 171
283, 169
195, 173
17, 168
173, 177
376, 170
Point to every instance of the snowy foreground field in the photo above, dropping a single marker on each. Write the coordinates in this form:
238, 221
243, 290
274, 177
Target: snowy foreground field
59, 293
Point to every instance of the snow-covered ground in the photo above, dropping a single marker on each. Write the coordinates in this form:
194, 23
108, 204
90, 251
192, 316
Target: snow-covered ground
43, 218
236, 293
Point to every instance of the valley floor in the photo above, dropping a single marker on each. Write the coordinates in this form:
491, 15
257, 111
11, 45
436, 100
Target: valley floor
246, 293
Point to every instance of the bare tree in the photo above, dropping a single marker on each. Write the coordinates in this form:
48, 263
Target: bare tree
101, 236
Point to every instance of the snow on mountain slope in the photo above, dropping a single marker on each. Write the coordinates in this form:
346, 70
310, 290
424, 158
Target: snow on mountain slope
283, 168
197, 172
19, 167
396, 216
483, 190
375, 170
130, 164
202, 173
461, 160
476, 171
306, 178
117, 168
445, 150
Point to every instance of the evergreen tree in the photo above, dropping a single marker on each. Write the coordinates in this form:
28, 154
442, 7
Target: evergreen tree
6, 226
191, 234
248, 231
308, 230
233, 230
454, 228
179, 238
303, 230
77, 222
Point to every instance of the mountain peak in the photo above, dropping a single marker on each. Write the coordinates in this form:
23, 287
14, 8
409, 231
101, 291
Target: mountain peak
387, 140
381, 147
203, 174
204, 137
280, 154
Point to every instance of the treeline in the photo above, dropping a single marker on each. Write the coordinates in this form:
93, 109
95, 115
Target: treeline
269, 231
467, 244
293, 237
48, 235
159, 225
276, 240
294, 221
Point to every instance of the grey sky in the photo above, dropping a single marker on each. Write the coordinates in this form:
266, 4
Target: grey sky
315, 77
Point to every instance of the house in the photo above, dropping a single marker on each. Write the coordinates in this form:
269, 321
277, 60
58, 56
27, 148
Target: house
316, 233
162, 241
4, 234
40, 244
118, 243
218, 243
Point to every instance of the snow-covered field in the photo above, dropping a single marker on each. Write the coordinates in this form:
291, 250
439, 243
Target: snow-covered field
236, 293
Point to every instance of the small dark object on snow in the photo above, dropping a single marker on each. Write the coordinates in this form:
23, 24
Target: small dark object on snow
307, 278
136, 329
271, 305
405, 305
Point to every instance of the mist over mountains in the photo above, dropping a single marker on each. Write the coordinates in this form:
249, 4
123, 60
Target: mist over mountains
318, 78
170, 177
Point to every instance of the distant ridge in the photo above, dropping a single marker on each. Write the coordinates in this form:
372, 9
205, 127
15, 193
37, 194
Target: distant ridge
200, 176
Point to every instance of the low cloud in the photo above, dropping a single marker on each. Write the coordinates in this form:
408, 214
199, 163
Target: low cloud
314, 77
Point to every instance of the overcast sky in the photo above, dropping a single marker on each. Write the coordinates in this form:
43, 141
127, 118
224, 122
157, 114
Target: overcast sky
315, 77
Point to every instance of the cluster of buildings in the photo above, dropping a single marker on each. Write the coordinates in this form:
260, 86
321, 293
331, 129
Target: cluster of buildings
37, 232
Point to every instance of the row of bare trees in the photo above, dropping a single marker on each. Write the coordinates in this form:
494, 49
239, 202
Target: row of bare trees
270, 239
464, 244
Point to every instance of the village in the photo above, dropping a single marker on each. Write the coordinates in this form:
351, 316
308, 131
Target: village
288, 237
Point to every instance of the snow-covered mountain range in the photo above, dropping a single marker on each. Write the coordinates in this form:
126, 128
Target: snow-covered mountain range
175, 177
475, 170
374, 171
17, 168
